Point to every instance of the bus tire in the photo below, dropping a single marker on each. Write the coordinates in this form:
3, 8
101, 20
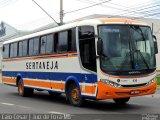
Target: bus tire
121, 100
54, 94
74, 96
24, 92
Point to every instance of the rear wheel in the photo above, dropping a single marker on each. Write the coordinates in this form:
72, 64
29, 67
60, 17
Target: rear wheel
24, 92
74, 96
121, 100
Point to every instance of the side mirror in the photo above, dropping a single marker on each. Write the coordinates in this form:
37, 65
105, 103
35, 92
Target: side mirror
155, 47
155, 44
99, 46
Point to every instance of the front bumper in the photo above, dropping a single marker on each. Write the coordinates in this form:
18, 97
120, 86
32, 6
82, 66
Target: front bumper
107, 92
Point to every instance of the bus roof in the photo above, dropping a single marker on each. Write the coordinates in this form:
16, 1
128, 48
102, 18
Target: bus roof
91, 22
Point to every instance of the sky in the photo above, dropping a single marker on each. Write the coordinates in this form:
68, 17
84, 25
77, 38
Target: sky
26, 15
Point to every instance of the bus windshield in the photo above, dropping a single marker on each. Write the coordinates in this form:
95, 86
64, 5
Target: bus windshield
126, 47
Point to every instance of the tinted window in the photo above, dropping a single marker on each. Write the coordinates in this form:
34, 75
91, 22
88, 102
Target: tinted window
11, 50
36, 46
43, 44
6, 51
20, 49
86, 32
73, 40
49, 45
87, 47
31, 47
62, 41
15, 47
25, 48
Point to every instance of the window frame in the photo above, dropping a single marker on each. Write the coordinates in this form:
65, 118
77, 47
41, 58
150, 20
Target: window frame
70, 37
33, 39
58, 46
94, 31
15, 55
53, 42
4, 51
71, 33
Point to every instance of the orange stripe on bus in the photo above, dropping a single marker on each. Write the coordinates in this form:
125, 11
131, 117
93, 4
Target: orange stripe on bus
37, 83
41, 57
123, 20
57, 86
88, 89
9, 80
51, 85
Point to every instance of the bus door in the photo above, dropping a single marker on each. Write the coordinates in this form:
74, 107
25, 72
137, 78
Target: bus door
88, 59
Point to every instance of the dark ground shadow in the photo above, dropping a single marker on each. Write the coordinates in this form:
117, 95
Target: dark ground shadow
99, 105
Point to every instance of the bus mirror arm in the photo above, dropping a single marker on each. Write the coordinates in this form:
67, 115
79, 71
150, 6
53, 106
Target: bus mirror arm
155, 44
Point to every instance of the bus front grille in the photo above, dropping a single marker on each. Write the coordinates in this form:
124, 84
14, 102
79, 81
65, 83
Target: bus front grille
133, 86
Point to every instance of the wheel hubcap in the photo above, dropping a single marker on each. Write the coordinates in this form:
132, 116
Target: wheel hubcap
75, 95
21, 88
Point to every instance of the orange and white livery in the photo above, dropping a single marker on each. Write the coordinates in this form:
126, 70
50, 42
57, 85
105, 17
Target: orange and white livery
102, 58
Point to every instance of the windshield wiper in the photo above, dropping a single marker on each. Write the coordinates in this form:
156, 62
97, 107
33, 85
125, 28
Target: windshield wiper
144, 60
136, 28
133, 63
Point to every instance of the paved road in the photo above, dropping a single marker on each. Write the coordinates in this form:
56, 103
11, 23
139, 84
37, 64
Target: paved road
41, 102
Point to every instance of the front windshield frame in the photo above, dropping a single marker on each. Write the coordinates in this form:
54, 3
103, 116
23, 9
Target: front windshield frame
130, 48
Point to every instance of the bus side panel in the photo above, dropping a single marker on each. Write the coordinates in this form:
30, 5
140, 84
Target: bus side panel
50, 73
8, 78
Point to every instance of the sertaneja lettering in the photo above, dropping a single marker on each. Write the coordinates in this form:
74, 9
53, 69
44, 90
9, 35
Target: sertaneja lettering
49, 65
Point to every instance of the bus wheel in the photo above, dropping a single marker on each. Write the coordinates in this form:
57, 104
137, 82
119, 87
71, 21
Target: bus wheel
24, 92
54, 94
121, 100
74, 96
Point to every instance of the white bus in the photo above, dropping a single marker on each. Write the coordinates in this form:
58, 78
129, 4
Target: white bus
102, 58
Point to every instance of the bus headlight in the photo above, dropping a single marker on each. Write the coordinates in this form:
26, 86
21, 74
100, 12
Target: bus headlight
151, 81
111, 83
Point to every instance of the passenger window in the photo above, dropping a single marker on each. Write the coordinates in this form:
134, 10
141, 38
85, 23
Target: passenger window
6, 51
62, 41
66, 41
43, 44
36, 46
20, 49
25, 48
11, 50
49, 44
15, 47
31, 43
87, 47
73, 42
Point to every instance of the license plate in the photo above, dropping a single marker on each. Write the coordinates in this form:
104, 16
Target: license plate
134, 92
